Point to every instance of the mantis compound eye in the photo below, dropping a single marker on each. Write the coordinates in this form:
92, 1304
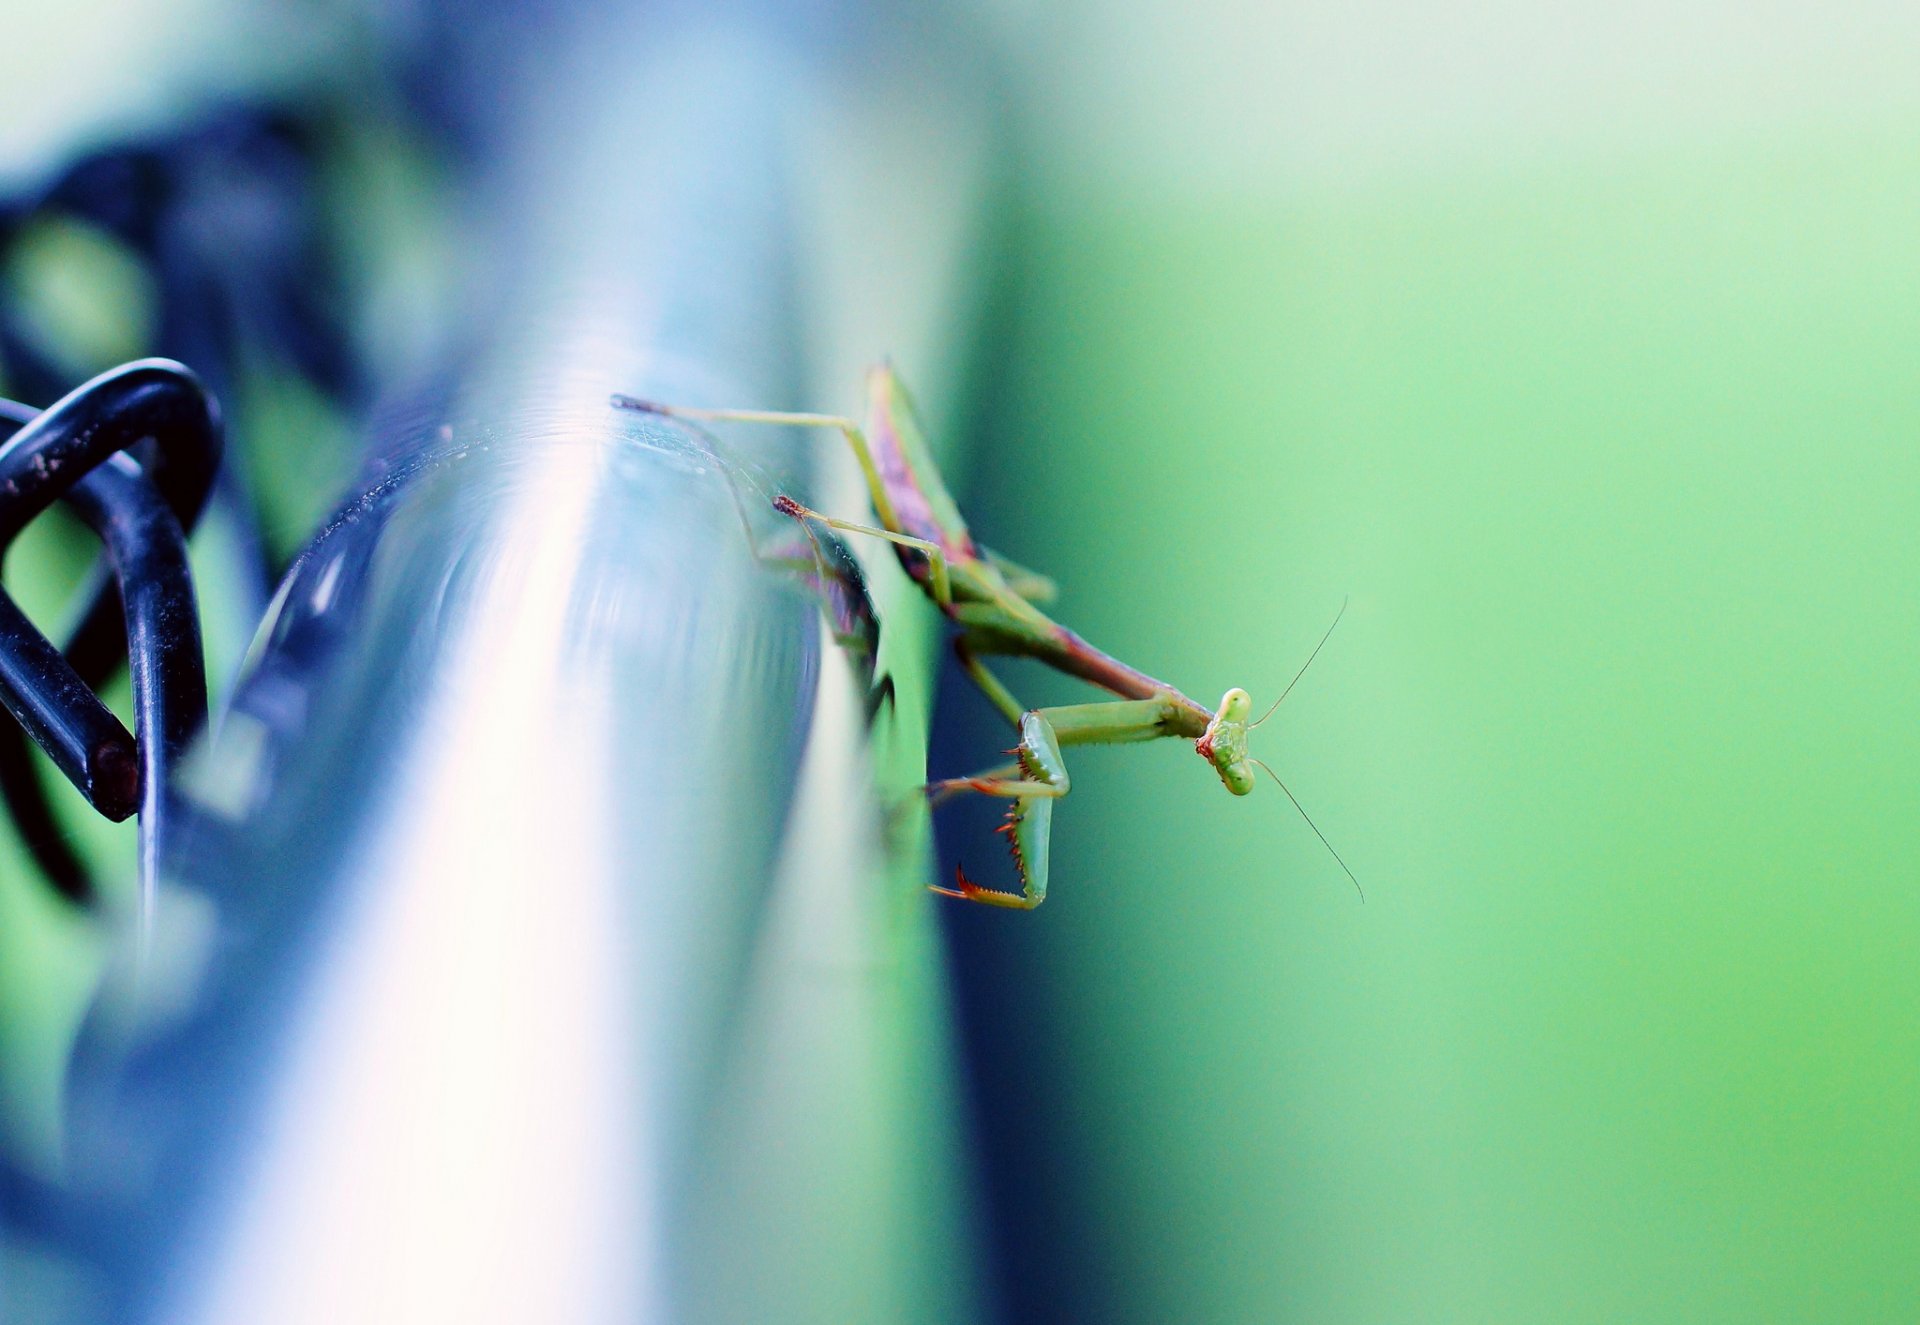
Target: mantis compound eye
1235, 706
1238, 777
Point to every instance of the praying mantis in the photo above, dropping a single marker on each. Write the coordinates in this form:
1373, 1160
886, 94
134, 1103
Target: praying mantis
995, 603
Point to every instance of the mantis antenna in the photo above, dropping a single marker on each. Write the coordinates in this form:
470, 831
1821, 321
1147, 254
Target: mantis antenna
1309, 818
1302, 672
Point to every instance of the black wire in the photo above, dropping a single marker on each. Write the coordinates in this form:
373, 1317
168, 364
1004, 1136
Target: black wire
141, 511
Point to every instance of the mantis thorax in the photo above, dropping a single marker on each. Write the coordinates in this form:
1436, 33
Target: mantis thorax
1224, 744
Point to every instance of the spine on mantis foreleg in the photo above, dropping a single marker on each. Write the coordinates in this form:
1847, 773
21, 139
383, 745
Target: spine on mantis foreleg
1029, 820
1029, 832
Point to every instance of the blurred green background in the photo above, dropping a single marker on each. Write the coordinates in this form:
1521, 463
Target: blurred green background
1577, 344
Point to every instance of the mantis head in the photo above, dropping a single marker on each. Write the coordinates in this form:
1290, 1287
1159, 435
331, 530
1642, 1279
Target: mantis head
1224, 744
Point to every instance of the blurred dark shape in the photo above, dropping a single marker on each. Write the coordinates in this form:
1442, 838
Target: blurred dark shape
228, 218
227, 215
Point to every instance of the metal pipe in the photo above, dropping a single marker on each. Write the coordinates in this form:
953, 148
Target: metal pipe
538, 948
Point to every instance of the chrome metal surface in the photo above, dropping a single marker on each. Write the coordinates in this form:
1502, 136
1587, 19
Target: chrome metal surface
531, 955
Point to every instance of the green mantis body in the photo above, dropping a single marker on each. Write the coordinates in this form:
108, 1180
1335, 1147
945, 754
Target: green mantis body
995, 605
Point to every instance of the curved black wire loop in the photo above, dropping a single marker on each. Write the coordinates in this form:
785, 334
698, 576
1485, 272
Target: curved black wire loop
83, 449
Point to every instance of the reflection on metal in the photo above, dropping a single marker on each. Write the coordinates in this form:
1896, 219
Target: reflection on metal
539, 948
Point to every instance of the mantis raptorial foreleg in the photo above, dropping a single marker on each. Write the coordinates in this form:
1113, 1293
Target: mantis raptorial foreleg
1040, 778
939, 793
1033, 785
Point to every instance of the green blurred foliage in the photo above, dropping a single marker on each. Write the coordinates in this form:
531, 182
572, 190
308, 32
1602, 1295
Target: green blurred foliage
89, 301
1614, 451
